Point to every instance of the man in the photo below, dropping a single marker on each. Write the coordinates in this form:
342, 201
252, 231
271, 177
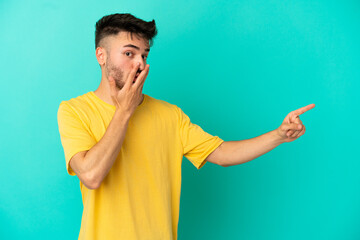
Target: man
127, 147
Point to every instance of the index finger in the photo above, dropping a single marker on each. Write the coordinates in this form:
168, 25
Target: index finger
141, 78
304, 109
131, 75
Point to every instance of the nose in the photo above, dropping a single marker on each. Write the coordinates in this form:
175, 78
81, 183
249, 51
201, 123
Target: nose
141, 62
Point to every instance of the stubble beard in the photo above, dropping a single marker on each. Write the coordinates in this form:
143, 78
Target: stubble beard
117, 73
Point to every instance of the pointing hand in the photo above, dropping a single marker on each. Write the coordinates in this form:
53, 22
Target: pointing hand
292, 127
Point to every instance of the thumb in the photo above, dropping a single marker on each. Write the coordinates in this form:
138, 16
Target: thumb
291, 126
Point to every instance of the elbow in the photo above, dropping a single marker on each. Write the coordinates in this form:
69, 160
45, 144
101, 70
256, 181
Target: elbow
91, 182
223, 163
92, 186
226, 162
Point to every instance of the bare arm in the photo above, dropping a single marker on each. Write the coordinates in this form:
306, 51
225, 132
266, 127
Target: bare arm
237, 152
93, 165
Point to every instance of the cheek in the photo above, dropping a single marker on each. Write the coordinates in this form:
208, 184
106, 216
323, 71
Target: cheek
123, 63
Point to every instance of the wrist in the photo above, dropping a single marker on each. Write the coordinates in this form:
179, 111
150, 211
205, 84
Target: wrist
122, 114
278, 139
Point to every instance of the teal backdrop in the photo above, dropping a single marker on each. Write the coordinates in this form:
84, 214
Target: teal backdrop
236, 68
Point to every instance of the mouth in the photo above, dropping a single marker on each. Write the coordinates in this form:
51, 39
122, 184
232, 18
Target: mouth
136, 77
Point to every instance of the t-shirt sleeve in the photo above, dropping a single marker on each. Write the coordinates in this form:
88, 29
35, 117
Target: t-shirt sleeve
75, 136
197, 144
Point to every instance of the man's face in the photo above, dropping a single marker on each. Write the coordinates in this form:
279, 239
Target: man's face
122, 54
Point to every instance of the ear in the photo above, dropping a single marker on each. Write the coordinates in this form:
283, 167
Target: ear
100, 55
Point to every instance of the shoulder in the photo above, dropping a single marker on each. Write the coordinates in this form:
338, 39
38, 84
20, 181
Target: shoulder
77, 101
75, 104
162, 105
75, 107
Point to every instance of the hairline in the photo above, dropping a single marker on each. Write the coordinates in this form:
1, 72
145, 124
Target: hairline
103, 45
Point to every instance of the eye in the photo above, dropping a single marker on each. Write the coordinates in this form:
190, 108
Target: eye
128, 54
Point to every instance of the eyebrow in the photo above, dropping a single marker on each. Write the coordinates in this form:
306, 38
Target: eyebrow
136, 47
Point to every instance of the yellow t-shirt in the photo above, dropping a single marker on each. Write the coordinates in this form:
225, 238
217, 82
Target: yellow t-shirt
140, 197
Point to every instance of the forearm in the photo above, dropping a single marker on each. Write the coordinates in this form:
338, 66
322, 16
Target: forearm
237, 152
100, 158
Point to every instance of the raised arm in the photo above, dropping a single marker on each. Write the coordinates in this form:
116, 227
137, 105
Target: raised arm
236, 152
93, 165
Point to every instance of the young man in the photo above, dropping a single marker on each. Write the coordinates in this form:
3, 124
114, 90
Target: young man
127, 147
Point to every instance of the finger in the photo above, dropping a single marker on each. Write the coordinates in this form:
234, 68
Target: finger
292, 127
291, 117
302, 132
141, 86
297, 120
298, 133
294, 118
131, 76
295, 134
304, 109
289, 133
143, 81
288, 118
142, 76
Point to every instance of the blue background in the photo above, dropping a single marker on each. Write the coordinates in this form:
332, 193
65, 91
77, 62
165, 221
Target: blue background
236, 68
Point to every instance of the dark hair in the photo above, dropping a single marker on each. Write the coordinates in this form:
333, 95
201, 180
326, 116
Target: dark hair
114, 23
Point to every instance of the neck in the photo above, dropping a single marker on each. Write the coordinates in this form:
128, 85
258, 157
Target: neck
103, 92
